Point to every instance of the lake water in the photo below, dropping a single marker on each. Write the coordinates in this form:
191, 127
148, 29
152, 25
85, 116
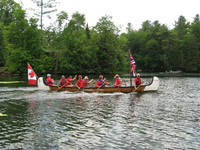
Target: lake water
167, 119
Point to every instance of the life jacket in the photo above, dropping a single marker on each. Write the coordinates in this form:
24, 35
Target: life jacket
138, 82
117, 82
85, 83
63, 82
102, 83
68, 80
48, 82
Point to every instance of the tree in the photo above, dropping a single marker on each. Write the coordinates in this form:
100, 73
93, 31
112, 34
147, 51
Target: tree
107, 43
46, 7
2, 45
129, 27
6, 11
181, 27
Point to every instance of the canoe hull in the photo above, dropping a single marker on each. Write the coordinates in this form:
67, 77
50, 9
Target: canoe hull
103, 90
152, 87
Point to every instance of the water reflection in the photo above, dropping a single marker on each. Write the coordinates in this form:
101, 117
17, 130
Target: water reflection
167, 119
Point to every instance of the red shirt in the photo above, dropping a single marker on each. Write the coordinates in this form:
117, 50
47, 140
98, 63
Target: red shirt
137, 81
80, 83
117, 82
49, 81
85, 83
68, 80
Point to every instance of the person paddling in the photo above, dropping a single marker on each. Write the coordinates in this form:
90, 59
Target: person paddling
137, 81
101, 82
118, 82
63, 82
86, 82
49, 80
69, 84
79, 83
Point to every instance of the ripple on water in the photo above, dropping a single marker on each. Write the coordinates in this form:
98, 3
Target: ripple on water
167, 119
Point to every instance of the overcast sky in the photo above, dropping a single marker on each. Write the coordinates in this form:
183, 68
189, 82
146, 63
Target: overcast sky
125, 11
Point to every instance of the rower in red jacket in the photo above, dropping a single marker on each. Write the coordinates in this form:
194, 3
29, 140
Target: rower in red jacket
118, 82
63, 82
137, 81
49, 80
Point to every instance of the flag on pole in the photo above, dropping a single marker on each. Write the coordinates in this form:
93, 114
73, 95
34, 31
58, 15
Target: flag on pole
133, 65
31, 76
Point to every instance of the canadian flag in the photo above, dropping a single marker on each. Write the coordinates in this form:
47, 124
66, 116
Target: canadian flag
31, 76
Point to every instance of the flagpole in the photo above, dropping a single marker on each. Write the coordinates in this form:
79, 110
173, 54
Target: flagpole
130, 68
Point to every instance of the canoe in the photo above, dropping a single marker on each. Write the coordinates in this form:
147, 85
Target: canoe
151, 87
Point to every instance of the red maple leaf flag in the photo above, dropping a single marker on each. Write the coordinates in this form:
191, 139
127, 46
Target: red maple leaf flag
31, 76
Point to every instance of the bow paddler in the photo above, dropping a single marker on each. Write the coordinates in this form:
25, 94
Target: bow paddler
137, 81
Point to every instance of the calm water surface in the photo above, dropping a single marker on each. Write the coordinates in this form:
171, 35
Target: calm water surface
167, 119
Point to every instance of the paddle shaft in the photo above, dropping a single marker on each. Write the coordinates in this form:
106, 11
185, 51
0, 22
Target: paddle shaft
61, 87
99, 87
137, 88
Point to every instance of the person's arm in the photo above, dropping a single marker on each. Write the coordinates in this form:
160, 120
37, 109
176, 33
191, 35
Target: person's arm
52, 81
90, 81
73, 78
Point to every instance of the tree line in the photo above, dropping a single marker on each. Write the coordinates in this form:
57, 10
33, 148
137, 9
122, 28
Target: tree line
70, 46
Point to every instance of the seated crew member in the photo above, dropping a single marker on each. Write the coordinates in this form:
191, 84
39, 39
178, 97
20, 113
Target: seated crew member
101, 82
86, 82
69, 81
79, 83
49, 80
63, 82
137, 81
118, 82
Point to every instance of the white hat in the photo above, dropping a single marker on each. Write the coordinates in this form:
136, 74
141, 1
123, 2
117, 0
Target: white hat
86, 78
48, 75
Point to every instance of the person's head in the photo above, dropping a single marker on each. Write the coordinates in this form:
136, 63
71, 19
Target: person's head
70, 77
138, 75
63, 77
116, 76
80, 76
86, 78
48, 75
101, 77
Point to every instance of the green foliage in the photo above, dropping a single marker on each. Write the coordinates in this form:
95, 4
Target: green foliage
100, 49
2, 46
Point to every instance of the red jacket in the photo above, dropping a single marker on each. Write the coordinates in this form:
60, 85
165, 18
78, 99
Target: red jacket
117, 82
49, 81
68, 80
100, 83
85, 83
137, 81
63, 82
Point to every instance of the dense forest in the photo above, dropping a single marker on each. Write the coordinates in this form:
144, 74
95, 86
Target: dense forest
71, 46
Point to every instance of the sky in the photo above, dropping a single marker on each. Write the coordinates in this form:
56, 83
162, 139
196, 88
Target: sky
126, 11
